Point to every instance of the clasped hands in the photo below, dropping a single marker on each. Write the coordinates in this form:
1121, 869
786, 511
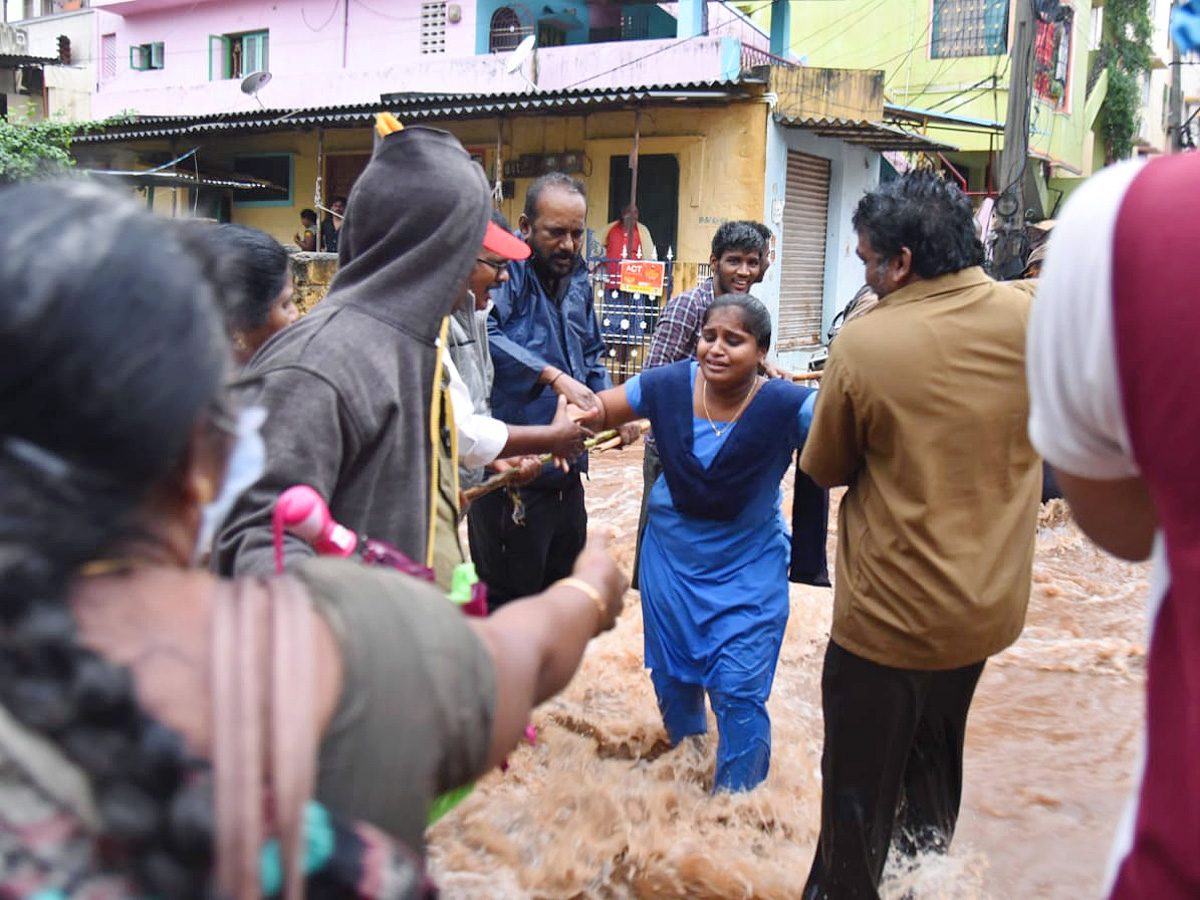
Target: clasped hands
579, 415
583, 406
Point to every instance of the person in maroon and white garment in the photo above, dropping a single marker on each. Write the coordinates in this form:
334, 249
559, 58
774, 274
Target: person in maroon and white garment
1113, 368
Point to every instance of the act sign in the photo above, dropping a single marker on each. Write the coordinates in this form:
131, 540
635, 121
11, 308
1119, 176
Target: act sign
642, 277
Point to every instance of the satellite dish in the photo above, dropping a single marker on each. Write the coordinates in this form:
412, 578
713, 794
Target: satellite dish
255, 82
521, 54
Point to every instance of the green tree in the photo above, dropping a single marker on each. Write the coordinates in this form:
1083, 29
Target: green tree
30, 149
1128, 31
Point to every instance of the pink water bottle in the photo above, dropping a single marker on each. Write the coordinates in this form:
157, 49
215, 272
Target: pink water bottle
301, 511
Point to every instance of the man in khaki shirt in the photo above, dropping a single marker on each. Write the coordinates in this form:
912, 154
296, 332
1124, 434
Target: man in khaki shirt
922, 413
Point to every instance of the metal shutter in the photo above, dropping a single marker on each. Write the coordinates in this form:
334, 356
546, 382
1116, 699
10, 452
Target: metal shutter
802, 256
108, 57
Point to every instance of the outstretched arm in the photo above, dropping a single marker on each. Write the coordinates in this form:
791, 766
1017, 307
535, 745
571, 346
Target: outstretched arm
612, 411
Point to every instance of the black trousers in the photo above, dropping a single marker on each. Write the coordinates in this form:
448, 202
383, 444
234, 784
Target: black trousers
518, 560
651, 469
891, 768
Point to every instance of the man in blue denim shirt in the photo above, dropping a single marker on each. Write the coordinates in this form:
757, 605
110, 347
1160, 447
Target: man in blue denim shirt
545, 342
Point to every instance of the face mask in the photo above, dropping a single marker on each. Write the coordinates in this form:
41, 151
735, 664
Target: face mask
246, 465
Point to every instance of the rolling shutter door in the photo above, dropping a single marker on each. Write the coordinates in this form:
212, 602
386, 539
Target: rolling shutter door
802, 256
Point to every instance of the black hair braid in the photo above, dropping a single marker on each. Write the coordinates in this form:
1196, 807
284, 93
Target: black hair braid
111, 348
157, 819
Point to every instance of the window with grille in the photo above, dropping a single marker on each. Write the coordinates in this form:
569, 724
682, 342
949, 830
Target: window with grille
433, 27
237, 55
969, 28
507, 31
1052, 59
108, 57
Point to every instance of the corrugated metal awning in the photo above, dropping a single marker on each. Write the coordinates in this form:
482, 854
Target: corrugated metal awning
894, 112
875, 135
412, 107
13, 61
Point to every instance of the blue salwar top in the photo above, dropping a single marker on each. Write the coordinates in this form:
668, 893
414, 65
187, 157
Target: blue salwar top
715, 591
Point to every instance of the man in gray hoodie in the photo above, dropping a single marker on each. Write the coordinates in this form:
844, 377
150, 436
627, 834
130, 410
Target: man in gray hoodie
350, 387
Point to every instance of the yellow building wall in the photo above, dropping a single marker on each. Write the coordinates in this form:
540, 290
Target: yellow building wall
895, 37
721, 151
282, 222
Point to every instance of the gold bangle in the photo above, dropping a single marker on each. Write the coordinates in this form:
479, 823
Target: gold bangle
583, 587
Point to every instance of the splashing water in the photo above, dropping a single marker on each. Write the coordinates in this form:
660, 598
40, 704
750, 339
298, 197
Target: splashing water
603, 808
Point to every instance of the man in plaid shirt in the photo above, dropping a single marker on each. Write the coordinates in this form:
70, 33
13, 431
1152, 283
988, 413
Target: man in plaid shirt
738, 261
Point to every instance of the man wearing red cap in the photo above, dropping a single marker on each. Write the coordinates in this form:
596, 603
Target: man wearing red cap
546, 343
482, 439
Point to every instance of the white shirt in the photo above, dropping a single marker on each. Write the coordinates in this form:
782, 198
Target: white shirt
1076, 418
480, 438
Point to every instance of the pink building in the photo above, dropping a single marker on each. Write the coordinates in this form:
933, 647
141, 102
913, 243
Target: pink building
189, 57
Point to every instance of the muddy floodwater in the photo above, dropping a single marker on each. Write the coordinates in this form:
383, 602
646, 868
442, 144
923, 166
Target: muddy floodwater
602, 808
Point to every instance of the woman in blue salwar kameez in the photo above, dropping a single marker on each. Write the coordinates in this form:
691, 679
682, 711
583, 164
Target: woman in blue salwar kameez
715, 552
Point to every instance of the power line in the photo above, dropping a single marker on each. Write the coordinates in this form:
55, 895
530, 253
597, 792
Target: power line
936, 75
848, 25
958, 105
958, 94
329, 18
855, 49
664, 49
911, 50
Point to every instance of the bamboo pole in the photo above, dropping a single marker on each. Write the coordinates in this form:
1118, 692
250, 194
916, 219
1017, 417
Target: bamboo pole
605, 440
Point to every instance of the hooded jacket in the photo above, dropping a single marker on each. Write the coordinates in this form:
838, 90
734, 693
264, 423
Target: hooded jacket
349, 388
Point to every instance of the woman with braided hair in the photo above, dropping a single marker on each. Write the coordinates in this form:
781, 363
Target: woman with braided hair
144, 704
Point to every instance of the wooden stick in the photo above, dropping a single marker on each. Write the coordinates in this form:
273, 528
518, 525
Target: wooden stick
807, 376
605, 440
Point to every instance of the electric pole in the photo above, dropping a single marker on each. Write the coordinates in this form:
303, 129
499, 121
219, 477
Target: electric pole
1010, 205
